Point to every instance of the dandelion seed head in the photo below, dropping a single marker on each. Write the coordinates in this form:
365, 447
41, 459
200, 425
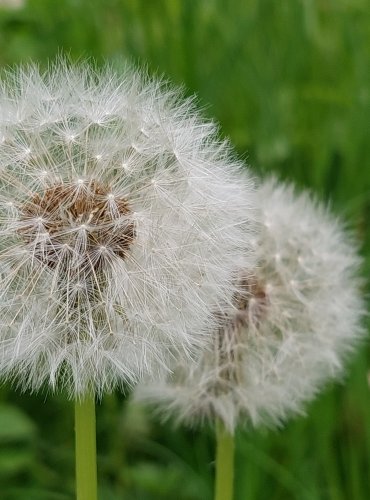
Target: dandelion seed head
122, 215
290, 326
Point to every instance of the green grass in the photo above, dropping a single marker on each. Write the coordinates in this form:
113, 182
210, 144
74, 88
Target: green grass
289, 83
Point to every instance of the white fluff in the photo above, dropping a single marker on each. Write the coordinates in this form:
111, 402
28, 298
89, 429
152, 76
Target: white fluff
73, 313
301, 317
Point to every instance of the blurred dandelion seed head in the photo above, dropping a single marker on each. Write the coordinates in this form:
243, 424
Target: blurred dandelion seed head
289, 328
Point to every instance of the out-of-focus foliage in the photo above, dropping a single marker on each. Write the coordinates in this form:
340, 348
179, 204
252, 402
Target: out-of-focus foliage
290, 84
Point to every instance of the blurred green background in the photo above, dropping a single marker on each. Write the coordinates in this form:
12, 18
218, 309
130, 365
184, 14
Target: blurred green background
289, 82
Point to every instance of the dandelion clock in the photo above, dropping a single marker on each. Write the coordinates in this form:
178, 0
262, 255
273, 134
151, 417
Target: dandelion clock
294, 322
122, 219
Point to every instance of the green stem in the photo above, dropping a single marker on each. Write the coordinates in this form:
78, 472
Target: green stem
86, 476
224, 463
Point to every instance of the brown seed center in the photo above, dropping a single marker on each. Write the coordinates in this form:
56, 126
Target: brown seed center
84, 220
250, 302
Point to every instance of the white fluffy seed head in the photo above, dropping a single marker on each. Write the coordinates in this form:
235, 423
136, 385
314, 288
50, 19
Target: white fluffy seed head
121, 218
293, 324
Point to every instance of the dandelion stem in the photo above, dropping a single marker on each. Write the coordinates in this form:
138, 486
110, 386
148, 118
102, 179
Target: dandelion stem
224, 463
86, 476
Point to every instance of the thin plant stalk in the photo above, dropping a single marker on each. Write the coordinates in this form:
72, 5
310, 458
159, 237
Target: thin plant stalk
85, 429
224, 484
